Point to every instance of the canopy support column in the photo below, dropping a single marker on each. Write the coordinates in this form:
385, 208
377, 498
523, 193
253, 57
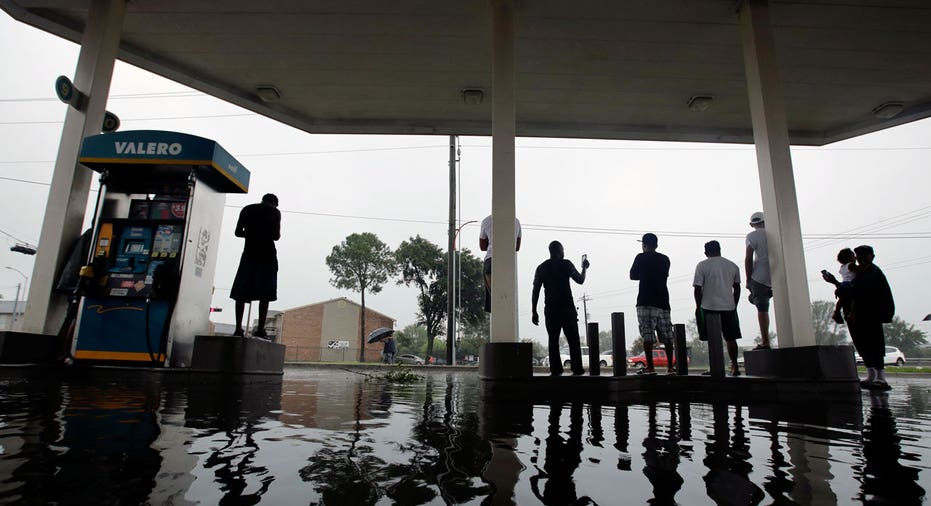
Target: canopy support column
67, 200
780, 205
503, 356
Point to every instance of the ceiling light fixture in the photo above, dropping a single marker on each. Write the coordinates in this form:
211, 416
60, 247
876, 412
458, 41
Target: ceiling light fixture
888, 110
472, 96
267, 93
700, 103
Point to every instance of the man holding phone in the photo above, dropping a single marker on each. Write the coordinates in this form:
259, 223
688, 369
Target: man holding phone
559, 306
651, 268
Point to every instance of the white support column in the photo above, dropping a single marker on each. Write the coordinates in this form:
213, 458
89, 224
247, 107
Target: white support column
504, 326
67, 200
780, 205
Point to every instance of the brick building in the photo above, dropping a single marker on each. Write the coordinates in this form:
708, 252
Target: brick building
327, 331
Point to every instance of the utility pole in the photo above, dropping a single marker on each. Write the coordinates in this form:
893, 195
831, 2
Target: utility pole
585, 299
451, 259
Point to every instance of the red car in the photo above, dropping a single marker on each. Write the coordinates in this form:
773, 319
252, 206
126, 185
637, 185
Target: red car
659, 360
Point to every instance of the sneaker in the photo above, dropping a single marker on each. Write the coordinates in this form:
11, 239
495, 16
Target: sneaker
735, 372
239, 332
646, 372
880, 385
578, 373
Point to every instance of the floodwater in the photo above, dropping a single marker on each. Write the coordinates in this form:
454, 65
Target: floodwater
335, 437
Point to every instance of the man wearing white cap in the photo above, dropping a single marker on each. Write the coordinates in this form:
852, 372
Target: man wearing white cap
756, 265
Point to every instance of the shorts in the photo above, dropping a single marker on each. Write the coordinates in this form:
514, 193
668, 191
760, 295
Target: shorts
761, 295
255, 281
654, 319
730, 325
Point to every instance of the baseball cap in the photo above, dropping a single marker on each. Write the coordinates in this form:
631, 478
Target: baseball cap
649, 239
756, 217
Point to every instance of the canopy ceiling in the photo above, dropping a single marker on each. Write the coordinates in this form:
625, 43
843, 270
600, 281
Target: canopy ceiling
618, 69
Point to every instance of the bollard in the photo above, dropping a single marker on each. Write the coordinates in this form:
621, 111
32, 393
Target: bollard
715, 344
618, 344
682, 352
594, 356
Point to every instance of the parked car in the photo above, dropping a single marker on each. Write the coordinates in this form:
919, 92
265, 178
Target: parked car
659, 360
409, 359
564, 356
893, 356
607, 358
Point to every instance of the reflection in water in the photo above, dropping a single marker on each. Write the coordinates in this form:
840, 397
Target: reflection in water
661, 457
328, 437
728, 462
562, 458
884, 474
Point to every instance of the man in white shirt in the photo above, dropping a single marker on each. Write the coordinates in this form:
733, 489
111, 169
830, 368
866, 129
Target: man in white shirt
717, 290
484, 243
759, 282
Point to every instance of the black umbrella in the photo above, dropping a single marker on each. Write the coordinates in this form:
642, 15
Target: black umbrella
379, 334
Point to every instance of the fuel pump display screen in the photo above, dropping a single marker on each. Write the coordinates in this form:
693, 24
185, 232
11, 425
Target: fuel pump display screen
134, 247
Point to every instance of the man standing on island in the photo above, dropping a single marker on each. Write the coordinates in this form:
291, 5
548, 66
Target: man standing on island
717, 291
651, 268
559, 307
484, 243
257, 277
759, 281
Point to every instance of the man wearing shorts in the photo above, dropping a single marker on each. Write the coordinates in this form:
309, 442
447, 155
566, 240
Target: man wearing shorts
484, 243
756, 264
651, 268
717, 290
257, 276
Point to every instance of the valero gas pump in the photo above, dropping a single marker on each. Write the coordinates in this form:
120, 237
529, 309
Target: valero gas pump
149, 279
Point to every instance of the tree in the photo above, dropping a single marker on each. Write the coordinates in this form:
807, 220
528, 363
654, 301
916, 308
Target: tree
605, 341
411, 339
827, 331
361, 263
539, 351
636, 347
422, 264
904, 336
472, 315
698, 349
473, 320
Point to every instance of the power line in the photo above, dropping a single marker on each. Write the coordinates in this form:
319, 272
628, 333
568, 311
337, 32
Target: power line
11, 236
155, 94
172, 118
629, 232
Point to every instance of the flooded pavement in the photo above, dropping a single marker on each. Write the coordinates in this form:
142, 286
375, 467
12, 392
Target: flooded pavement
330, 436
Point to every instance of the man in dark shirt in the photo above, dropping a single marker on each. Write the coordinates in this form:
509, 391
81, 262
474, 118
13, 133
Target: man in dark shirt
559, 307
651, 268
871, 305
257, 277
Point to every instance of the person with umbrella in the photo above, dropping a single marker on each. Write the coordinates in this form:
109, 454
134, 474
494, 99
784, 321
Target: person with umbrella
390, 350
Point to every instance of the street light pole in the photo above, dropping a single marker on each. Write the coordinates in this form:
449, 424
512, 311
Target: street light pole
24, 284
458, 265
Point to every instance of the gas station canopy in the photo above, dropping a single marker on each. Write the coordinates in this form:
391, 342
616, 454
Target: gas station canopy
587, 68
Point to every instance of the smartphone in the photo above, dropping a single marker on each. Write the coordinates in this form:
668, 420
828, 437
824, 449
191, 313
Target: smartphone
584, 258
824, 272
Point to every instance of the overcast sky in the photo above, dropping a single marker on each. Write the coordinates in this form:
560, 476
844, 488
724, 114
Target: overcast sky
597, 197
